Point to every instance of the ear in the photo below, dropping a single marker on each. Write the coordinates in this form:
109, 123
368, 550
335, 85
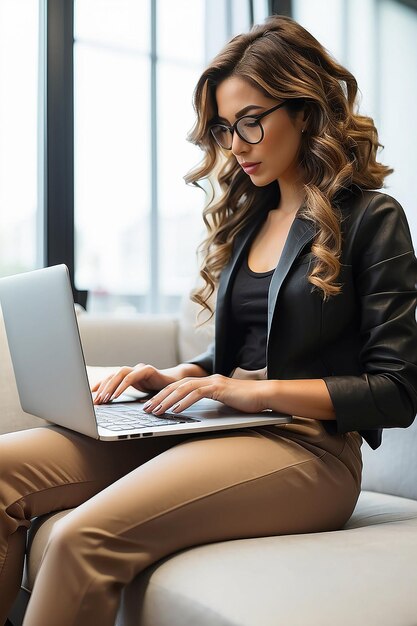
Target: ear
306, 114
306, 117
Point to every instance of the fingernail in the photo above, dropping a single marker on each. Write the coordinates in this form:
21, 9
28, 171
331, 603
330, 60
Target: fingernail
157, 408
107, 397
147, 404
175, 407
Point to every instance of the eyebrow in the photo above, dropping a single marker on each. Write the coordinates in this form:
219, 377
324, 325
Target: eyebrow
242, 112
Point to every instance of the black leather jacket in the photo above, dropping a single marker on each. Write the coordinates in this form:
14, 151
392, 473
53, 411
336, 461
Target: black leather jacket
362, 342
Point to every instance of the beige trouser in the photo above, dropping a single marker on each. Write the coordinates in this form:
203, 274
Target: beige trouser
139, 501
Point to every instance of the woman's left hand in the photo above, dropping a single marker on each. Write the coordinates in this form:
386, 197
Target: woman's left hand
243, 395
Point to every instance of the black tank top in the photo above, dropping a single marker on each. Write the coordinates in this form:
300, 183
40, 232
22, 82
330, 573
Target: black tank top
249, 299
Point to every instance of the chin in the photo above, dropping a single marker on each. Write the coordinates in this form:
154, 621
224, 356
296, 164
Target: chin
262, 181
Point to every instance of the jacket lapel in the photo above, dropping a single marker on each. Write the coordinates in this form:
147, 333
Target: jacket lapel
242, 240
301, 232
223, 293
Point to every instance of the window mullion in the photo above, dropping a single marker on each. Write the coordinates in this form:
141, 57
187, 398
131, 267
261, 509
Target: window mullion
154, 291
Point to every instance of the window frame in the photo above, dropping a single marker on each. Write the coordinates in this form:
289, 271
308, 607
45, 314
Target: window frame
59, 175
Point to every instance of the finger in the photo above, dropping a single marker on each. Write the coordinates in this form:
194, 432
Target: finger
187, 401
183, 397
100, 386
111, 384
166, 391
136, 378
100, 383
99, 391
127, 382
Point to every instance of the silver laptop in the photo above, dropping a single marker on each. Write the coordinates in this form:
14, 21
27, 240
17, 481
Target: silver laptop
51, 375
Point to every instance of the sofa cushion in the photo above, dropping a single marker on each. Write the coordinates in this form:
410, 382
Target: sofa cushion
108, 339
364, 574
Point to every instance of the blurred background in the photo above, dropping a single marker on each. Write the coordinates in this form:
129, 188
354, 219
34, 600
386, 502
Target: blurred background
95, 105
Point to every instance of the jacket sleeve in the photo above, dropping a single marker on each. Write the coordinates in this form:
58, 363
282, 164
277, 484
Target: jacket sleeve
205, 359
385, 271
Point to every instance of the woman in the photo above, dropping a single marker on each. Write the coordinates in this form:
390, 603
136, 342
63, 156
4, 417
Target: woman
315, 316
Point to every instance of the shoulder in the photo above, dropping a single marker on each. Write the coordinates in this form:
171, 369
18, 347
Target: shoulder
374, 223
358, 204
363, 211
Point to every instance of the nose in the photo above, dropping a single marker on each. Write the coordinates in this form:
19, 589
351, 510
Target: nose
238, 145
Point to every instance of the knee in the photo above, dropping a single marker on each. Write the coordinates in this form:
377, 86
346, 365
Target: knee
17, 469
74, 540
13, 481
63, 535
10, 463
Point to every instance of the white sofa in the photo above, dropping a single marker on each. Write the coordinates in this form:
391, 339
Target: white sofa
364, 574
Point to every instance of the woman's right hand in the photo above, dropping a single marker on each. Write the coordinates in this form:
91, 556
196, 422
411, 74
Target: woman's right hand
142, 377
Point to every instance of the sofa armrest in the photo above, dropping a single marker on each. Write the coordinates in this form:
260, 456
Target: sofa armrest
110, 340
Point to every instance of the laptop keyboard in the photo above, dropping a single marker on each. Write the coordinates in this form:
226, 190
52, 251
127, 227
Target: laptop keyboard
122, 417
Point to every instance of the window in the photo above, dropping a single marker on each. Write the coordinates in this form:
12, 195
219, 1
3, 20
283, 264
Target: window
377, 42
20, 111
137, 223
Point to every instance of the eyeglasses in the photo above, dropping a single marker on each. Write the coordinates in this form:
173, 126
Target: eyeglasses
248, 127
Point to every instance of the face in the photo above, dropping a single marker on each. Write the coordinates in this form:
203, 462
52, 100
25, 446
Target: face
276, 154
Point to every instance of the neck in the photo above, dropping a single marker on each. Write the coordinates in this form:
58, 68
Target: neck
291, 195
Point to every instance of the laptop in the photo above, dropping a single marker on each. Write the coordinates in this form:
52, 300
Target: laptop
51, 375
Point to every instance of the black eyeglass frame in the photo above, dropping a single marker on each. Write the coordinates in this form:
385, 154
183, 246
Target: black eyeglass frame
232, 129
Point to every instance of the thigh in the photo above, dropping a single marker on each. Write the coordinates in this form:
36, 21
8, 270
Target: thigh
228, 485
50, 468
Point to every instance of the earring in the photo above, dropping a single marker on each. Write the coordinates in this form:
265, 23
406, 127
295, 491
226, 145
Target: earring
302, 130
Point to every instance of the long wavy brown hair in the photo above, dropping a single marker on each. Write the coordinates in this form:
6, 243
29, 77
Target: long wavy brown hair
338, 148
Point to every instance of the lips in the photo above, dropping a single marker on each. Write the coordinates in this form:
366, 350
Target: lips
249, 168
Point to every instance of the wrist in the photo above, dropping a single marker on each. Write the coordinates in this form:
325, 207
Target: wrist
304, 397
270, 393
